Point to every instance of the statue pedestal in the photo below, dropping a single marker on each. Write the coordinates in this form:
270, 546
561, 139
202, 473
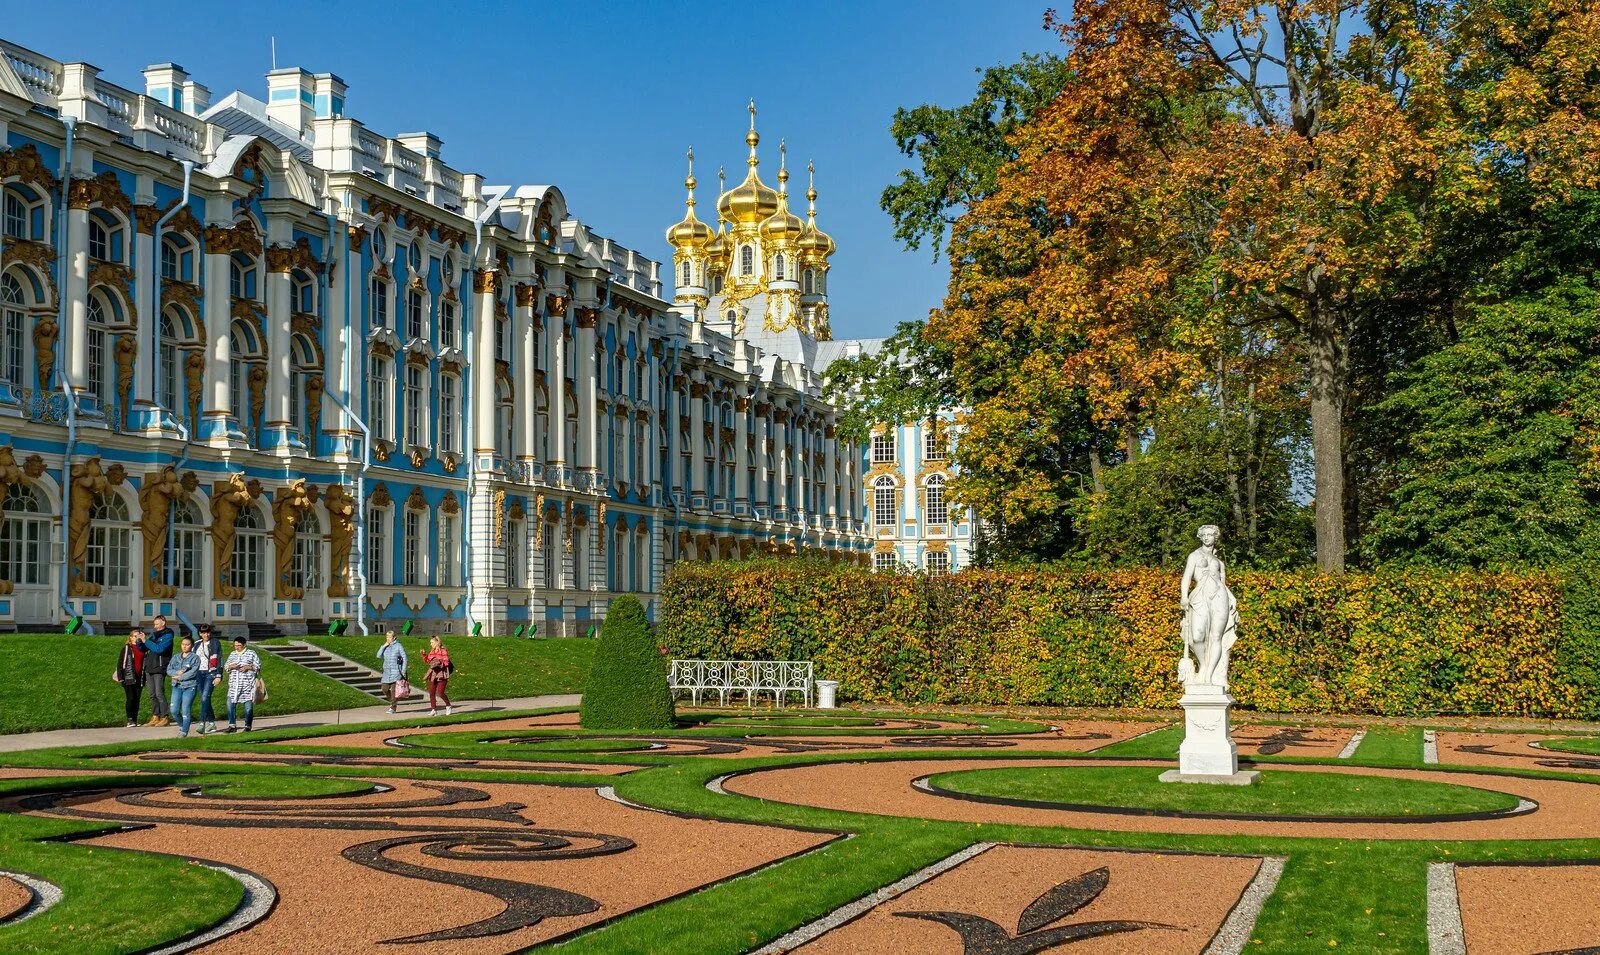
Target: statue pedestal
1208, 754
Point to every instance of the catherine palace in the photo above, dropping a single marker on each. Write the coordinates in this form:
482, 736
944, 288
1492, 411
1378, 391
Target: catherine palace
265, 367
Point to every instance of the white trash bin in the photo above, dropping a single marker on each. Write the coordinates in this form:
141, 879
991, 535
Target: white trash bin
825, 691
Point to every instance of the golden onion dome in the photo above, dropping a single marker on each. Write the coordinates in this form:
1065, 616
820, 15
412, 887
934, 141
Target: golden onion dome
751, 201
718, 244
783, 225
690, 232
813, 240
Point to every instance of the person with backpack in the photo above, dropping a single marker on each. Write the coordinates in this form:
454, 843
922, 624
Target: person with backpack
210, 650
130, 674
184, 671
393, 657
157, 651
440, 669
242, 667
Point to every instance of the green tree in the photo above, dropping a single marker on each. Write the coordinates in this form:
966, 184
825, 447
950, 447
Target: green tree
627, 685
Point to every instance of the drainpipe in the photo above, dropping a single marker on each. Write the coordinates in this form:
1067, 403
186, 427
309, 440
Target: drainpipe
64, 337
360, 556
155, 393
498, 193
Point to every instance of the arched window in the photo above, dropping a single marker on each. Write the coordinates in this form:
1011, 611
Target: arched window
686, 274
303, 366
938, 563
109, 536
449, 414
167, 373
641, 559
505, 419
13, 340
24, 216
16, 216
883, 448
541, 417
502, 340
883, 509
934, 441
447, 324
177, 259
181, 564
808, 282
416, 406
884, 561
449, 570
937, 511
747, 260
414, 258
378, 303
97, 353
249, 550
306, 570
618, 565
99, 240
411, 546
244, 352
777, 266
378, 397
25, 536
415, 313
377, 545
549, 555
572, 431
716, 284
238, 286
516, 555
304, 293
580, 558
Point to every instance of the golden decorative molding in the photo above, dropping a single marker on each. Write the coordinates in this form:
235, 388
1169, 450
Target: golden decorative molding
9, 474
341, 507
587, 317
527, 296
380, 450
415, 501
228, 498
256, 382
103, 190
289, 507
40, 255
242, 237
286, 258
516, 512
45, 332
124, 354
485, 280
450, 505
450, 462
156, 493
417, 358
381, 349
33, 466
24, 163
556, 304
194, 370
379, 496
357, 236
499, 517
417, 457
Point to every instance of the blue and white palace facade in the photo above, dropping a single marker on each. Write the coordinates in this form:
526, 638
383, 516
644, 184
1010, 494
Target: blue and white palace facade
261, 365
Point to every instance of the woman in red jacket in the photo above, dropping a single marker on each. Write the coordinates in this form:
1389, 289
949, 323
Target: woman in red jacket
130, 673
439, 669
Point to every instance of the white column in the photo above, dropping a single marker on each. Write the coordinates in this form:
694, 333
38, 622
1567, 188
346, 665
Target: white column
484, 283
695, 480
762, 492
587, 373
146, 292
216, 411
280, 294
830, 452
336, 298
801, 434
556, 379
780, 454
673, 411
75, 337
741, 449
524, 315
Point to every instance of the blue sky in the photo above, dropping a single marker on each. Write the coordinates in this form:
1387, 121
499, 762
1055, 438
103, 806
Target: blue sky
603, 99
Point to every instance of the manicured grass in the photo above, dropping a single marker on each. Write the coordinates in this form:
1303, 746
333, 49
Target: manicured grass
259, 786
1160, 744
487, 668
1589, 745
1276, 793
1390, 746
51, 681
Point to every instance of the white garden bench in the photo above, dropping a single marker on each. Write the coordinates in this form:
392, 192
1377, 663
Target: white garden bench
751, 677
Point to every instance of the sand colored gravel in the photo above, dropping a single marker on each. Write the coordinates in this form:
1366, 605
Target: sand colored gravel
1323, 742
1192, 894
14, 897
1524, 910
323, 895
1567, 810
375, 762
1511, 751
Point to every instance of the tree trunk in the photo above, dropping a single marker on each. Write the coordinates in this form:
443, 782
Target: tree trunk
1094, 471
1328, 374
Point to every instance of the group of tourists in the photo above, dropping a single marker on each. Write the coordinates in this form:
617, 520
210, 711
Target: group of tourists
392, 656
156, 660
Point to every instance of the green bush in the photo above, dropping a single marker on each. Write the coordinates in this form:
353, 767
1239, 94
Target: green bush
627, 686
1393, 642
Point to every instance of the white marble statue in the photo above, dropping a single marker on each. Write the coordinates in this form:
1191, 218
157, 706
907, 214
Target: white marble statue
1210, 615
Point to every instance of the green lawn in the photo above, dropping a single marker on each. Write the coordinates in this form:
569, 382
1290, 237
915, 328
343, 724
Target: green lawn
1276, 793
487, 668
1589, 745
51, 681
237, 786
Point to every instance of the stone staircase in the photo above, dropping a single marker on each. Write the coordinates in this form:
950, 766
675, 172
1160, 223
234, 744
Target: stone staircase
351, 674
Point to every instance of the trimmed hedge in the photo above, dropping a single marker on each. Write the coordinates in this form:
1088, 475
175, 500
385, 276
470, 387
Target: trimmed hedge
1395, 643
627, 686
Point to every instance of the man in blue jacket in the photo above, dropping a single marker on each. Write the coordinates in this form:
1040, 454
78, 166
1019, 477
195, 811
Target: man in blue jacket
157, 651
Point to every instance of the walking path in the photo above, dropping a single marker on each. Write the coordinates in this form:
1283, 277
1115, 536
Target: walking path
100, 736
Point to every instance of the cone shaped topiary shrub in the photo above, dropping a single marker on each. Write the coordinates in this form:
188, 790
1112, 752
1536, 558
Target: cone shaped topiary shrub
627, 685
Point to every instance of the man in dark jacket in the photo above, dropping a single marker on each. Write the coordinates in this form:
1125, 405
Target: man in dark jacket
157, 651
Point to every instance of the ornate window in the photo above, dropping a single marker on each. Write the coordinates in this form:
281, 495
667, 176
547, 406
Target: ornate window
747, 260
25, 536
13, 341
447, 324
99, 240
686, 280
541, 418
306, 570
552, 563
808, 283
411, 546
303, 367
883, 509
24, 212
177, 260
502, 340
249, 550
16, 216
416, 406
304, 293
378, 397
883, 448
414, 314
98, 353
937, 510
414, 258
580, 562
449, 572
505, 419
885, 560
109, 538
934, 442
449, 413
516, 555
777, 266
641, 561
377, 545
245, 355
378, 303
618, 565
167, 373
938, 563
181, 565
